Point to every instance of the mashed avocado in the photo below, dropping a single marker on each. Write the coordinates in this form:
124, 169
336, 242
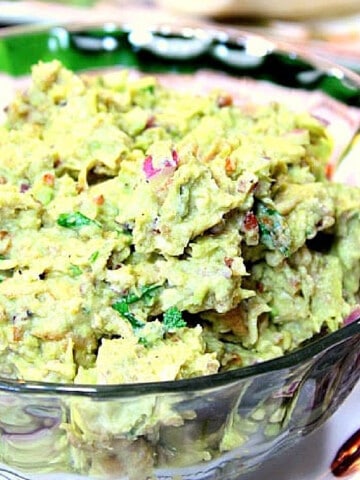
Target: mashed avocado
149, 234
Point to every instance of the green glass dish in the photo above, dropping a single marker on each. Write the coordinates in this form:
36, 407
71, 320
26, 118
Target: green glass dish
182, 50
228, 423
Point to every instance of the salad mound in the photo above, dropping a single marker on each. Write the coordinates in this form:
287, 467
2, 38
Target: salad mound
152, 234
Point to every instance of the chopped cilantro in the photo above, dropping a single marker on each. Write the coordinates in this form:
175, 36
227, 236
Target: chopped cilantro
172, 319
122, 307
121, 231
75, 220
274, 232
75, 270
147, 292
144, 341
93, 257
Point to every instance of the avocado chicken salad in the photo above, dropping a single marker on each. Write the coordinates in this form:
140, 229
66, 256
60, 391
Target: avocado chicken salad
152, 234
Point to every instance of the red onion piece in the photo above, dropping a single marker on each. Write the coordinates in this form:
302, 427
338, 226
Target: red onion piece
353, 316
168, 165
148, 167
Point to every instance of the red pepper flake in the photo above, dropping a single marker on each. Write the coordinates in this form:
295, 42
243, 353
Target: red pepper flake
224, 100
175, 157
250, 221
151, 122
228, 261
229, 166
329, 171
48, 179
99, 199
17, 334
260, 287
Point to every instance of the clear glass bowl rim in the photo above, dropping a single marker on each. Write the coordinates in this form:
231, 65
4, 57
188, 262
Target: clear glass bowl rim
195, 384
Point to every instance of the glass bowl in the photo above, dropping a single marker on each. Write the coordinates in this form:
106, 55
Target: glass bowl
214, 427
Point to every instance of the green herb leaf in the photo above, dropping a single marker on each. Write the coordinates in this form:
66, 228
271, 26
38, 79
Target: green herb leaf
144, 341
274, 232
147, 293
75, 220
75, 270
122, 307
172, 319
93, 257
